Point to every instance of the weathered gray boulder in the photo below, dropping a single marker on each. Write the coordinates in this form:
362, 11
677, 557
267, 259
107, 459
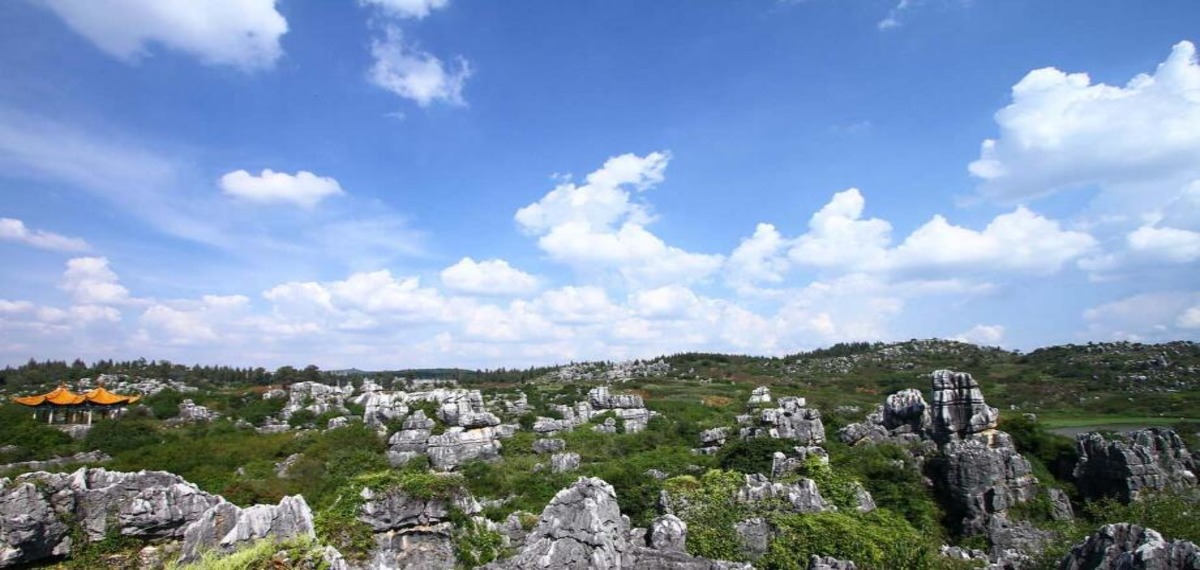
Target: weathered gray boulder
1154, 458
830, 563
380, 407
668, 532
315, 397
412, 439
600, 399
1127, 546
37, 511
609, 426
564, 462
226, 527
906, 412
982, 478
457, 446
711, 440
551, 426
858, 433
413, 532
958, 409
581, 528
754, 536
1060, 505
791, 420
803, 495
189, 411
465, 408
759, 397
549, 445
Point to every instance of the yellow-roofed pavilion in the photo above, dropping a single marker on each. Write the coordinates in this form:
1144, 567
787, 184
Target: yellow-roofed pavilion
75, 408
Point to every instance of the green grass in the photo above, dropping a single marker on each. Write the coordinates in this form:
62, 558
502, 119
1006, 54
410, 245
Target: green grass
1103, 420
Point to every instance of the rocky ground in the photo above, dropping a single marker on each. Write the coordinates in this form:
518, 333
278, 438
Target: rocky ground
683, 462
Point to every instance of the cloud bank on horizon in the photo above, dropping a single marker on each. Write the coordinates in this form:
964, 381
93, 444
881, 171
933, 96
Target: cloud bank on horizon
259, 203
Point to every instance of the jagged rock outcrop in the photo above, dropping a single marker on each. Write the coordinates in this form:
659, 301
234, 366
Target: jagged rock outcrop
782, 464
982, 478
803, 495
465, 409
1123, 467
582, 528
830, 563
549, 445
411, 440
628, 407
40, 511
564, 462
315, 397
1060, 505
863, 432
791, 420
609, 426
225, 527
760, 396
958, 409
712, 440
458, 445
668, 532
380, 407
551, 426
1127, 546
189, 411
906, 412
413, 532
90, 457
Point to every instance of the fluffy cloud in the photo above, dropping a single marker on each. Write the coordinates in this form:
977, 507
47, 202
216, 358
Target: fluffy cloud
303, 189
1138, 142
757, 259
412, 73
407, 8
838, 236
89, 280
1018, 241
1171, 244
987, 335
15, 230
186, 323
241, 33
598, 226
1149, 317
487, 277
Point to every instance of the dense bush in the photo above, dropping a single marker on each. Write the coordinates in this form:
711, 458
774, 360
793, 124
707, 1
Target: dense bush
891, 475
32, 439
122, 434
1057, 453
752, 455
876, 540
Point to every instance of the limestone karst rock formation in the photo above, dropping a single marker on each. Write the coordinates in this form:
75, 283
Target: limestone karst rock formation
1127, 546
790, 420
410, 531
411, 440
40, 511
1125, 466
582, 528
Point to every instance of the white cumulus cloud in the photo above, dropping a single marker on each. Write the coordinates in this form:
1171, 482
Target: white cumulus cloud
1140, 142
412, 73
89, 280
16, 230
986, 335
407, 8
303, 189
240, 33
598, 225
487, 277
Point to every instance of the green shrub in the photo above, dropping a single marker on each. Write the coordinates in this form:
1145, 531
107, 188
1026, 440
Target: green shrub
164, 404
876, 540
122, 434
475, 545
33, 439
752, 455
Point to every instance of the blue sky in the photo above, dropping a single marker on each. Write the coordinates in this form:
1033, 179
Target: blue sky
393, 183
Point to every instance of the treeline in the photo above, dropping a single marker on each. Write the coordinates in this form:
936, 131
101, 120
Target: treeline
48, 372
41, 373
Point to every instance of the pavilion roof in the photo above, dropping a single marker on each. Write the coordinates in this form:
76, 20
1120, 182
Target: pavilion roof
63, 396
